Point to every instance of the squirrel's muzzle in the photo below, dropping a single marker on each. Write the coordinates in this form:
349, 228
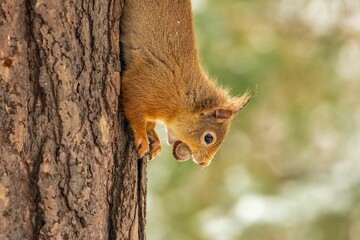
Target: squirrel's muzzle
203, 163
182, 153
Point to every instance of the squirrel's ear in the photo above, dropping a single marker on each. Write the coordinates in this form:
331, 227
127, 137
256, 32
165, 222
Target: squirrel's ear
238, 103
219, 114
224, 113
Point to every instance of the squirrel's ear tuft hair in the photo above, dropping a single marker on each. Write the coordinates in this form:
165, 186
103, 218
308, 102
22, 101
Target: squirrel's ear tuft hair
238, 103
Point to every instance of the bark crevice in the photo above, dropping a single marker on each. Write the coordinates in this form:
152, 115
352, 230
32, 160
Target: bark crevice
34, 111
38, 214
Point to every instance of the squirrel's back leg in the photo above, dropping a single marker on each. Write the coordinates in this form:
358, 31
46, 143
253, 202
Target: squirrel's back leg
155, 145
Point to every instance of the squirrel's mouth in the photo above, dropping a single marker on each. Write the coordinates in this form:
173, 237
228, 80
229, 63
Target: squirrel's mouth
182, 152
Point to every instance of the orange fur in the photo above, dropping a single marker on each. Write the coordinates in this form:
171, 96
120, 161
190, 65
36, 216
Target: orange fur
163, 80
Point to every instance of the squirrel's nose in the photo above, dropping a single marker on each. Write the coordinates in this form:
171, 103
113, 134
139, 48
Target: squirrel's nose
205, 164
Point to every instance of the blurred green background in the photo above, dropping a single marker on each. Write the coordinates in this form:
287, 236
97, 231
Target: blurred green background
290, 167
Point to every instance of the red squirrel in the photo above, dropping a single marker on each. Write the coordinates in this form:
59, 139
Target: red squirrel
164, 81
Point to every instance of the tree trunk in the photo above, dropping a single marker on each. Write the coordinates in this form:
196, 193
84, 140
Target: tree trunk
68, 167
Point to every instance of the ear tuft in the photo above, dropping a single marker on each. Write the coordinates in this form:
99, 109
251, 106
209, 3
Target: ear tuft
238, 103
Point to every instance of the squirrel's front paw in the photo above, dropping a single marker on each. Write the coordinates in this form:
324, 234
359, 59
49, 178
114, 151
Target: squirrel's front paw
142, 146
155, 145
155, 149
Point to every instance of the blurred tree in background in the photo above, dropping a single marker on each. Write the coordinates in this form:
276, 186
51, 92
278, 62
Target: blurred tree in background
289, 167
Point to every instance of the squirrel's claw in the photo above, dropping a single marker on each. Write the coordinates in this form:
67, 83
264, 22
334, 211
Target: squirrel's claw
155, 149
155, 145
142, 146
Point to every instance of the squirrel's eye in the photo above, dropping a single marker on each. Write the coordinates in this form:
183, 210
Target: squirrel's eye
208, 138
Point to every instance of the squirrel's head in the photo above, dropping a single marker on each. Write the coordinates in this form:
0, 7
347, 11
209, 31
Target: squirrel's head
202, 136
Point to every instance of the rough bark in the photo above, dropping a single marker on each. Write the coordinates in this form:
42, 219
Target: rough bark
68, 169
